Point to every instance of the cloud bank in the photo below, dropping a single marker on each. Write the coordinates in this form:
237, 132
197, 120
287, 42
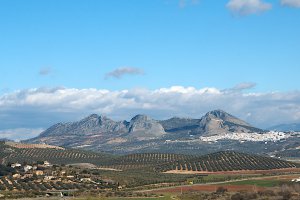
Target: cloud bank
20, 133
42, 107
122, 71
246, 7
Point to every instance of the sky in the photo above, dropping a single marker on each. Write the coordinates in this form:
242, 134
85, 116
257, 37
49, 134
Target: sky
61, 60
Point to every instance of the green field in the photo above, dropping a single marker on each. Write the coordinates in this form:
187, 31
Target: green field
219, 178
259, 183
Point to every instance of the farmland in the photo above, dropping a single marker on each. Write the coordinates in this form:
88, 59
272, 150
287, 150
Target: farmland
137, 176
56, 155
227, 161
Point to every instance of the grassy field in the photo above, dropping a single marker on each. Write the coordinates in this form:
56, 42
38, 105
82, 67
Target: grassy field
219, 178
259, 183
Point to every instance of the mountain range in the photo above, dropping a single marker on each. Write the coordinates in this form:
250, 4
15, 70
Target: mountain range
141, 132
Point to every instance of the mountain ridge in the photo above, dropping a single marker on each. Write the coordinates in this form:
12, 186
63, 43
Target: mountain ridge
98, 131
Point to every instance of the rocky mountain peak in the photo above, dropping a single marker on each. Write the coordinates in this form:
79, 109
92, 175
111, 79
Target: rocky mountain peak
95, 117
140, 118
92, 116
217, 113
219, 121
145, 126
89, 119
220, 115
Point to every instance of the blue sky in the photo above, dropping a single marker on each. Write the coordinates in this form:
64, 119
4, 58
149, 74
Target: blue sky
199, 45
163, 43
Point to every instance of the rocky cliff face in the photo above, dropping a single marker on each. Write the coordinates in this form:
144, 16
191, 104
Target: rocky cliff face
218, 121
142, 126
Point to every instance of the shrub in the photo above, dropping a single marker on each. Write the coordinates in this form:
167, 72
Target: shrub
237, 196
221, 190
266, 193
286, 195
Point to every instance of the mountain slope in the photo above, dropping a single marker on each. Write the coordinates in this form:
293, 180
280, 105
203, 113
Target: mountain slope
181, 125
29, 153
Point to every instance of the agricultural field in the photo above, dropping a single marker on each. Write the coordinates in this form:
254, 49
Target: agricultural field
140, 176
226, 161
146, 160
14, 153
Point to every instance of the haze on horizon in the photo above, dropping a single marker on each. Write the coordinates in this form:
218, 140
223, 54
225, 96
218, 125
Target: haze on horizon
61, 61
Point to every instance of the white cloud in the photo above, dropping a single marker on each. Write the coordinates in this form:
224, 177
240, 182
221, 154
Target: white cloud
20, 133
291, 3
34, 108
122, 71
246, 7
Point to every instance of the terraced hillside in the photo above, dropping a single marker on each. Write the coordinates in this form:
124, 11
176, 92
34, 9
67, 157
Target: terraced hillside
226, 161
146, 160
53, 155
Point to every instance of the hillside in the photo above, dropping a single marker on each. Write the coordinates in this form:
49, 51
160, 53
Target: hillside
145, 160
57, 155
226, 161
161, 162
